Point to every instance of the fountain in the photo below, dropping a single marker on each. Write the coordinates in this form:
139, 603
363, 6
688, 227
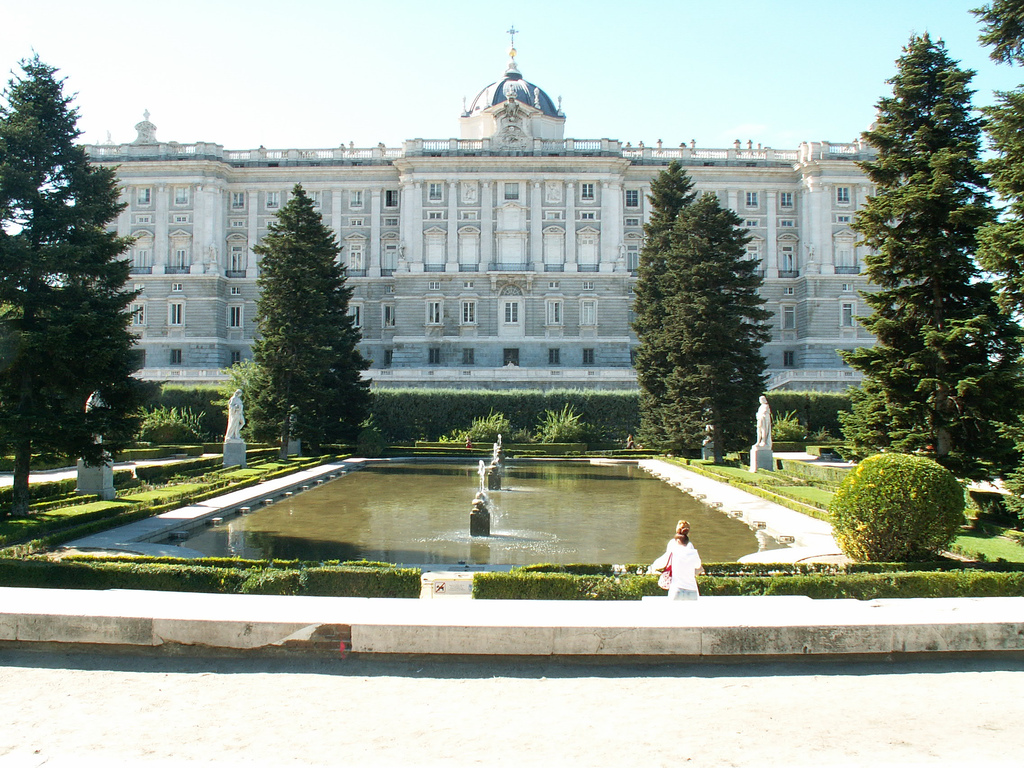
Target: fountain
494, 471
480, 516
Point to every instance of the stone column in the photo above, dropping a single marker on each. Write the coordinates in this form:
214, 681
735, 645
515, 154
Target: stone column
452, 240
253, 230
570, 226
535, 254
160, 230
486, 223
375, 214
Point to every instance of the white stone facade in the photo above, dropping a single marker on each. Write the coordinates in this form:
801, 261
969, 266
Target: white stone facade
503, 258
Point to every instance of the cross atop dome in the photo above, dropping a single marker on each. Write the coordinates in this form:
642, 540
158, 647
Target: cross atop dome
512, 68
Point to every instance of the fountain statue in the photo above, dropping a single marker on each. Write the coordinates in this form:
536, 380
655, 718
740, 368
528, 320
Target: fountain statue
494, 471
480, 516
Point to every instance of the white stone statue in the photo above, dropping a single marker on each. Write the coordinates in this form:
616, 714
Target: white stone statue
236, 417
764, 424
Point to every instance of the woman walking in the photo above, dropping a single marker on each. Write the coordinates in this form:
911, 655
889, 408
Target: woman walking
682, 560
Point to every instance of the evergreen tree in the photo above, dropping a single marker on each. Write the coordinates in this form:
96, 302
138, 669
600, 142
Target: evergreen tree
1001, 250
64, 313
309, 367
946, 365
698, 316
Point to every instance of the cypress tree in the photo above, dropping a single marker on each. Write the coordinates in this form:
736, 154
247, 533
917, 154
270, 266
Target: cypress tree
945, 368
64, 312
310, 386
698, 316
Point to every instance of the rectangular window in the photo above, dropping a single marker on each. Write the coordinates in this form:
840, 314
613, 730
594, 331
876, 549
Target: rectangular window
273, 199
180, 258
787, 223
434, 192
554, 356
237, 223
785, 199
511, 312
751, 199
553, 215
435, 214
387, 315
389, 355
588, 285
847, 315
390, 198
553, 285
752, 223
390, 222
632, 198
511, 190
847, 287
588, 357
143, 195
176, 313
788, 358
588, 216
238, 200
147, 219
510, 356
236, 291
632, 222
434, 316
586, 191
355, 222
236, 357
789, 318
467, 283
177, 287
181, 195
843, 195
355, 311
355, 198
434, 356
469, 215
843, 219
588, 312
175, 357
234, 317
554, 313
434, 285
790, 290
181, 218
138, 314
389, 289
468, 312
468, 356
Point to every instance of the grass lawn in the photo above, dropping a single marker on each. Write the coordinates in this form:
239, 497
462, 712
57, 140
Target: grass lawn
991, 546
817, 496
159, 494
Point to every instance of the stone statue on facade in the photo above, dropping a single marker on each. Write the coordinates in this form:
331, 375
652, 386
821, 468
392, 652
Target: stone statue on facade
146, 131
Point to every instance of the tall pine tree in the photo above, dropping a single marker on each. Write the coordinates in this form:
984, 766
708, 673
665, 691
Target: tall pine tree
698, 317
64, 313
308, 365
946, 365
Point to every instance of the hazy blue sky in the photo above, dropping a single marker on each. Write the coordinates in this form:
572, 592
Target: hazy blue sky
314, 73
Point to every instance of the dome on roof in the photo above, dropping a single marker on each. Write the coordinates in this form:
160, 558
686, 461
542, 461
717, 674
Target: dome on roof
513, 85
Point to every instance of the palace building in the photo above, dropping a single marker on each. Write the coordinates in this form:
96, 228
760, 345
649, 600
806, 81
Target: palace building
503, 258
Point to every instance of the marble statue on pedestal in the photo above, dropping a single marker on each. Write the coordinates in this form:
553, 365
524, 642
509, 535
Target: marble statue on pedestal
761, 456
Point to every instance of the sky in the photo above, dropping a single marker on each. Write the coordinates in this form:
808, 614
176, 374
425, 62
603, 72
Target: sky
320, 73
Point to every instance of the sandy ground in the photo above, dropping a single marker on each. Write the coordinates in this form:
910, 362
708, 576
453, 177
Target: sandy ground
88, 710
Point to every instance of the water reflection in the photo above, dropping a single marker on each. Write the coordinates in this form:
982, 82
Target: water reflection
418, 513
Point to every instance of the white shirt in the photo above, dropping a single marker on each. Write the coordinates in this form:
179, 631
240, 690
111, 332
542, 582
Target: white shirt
685, 564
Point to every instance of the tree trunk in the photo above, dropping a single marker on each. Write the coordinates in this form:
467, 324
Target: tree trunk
22, 461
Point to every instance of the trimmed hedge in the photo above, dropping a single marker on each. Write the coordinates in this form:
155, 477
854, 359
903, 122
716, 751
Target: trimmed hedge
831, 476
184, 576
520, 584
404, 415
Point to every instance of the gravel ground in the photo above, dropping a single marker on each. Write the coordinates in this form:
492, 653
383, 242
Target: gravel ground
88, 709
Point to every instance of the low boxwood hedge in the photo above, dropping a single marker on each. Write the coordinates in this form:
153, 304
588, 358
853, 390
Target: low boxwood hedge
533, 584
231, 577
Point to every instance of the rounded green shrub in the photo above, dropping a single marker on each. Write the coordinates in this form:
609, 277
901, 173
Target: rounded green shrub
896, 508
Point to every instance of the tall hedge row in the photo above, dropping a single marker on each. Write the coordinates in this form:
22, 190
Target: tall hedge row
426, 414
815, 410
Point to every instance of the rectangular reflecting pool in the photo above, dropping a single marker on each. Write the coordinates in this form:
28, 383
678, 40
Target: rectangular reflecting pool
417, 513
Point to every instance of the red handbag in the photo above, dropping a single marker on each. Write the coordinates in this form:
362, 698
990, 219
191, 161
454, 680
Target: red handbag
665, 580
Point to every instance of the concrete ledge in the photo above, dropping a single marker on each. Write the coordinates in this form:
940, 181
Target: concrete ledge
709, 628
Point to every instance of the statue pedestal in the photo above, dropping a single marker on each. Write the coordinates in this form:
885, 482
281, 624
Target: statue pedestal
707, 452
761, 458
96, 480
295, 447
234, 453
